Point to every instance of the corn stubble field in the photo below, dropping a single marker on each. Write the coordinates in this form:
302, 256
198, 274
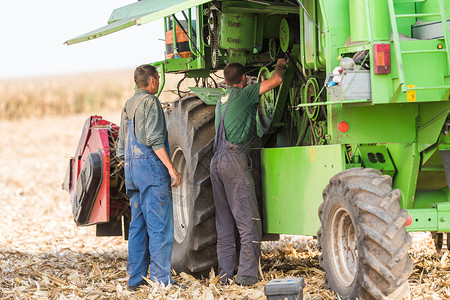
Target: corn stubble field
43, 255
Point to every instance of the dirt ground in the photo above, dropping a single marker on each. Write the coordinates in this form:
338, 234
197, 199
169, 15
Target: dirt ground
43, 255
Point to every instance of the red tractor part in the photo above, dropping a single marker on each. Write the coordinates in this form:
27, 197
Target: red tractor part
95, 182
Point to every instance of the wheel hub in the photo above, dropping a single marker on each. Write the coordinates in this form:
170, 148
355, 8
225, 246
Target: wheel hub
181, 197
344, 246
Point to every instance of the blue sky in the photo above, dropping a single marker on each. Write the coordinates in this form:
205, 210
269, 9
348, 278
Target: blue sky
32, 34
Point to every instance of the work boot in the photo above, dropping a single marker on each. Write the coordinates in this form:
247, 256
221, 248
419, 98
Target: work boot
245, 280
181, 286
133, 288
225, 281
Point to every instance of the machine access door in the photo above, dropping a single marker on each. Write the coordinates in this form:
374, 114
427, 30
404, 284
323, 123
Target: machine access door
138, 13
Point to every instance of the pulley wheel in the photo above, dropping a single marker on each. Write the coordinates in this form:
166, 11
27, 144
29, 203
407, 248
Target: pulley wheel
310, 95
266, 107
286, 37
273, 49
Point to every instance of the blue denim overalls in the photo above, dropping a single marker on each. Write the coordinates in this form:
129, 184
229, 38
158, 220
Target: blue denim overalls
151, 229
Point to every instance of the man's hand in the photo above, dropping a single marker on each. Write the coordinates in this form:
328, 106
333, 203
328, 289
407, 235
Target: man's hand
282, 62
175, 176
279, 68
276, 79
164, 157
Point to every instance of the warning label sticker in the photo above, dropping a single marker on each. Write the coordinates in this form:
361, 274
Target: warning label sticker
411, 94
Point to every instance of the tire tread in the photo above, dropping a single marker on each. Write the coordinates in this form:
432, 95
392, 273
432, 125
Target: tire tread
383, 242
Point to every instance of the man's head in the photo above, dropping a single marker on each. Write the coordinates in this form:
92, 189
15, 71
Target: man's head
147, 77
234, 74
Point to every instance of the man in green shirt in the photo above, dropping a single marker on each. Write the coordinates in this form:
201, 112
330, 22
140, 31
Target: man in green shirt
231, 178
148, 170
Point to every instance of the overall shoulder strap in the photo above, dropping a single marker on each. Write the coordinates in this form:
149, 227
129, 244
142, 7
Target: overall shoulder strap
222, 117
135, 107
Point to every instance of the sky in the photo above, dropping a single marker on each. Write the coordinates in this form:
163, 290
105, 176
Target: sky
32, 36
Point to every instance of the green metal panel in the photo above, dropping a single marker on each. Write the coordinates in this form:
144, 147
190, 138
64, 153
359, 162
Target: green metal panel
208, 95
407, 162
379, 20
393, 123
443, 209
256, 7
376, 157
232, 35
423, 220
293, 179
336, 28
137, 13
431, 120
431, 219
423, 66
102, 31
432, 174
309, 34
313, 48
427, 199
320, 63
184, 64
430, 6
404, 24
150, 10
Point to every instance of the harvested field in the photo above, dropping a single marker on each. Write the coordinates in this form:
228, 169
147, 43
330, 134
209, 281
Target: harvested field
72, 94
43, 255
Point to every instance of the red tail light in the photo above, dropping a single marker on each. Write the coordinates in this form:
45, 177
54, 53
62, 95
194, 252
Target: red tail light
382, 58
343, 126
408, 220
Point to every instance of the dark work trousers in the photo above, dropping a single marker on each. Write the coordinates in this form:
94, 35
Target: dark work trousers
236, 205
151, 229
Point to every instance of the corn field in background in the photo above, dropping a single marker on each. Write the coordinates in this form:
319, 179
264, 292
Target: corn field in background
64, 95
91, 93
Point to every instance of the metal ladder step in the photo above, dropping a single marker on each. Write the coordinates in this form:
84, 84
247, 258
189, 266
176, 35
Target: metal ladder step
421, 88
424, 51
418, 15
399, 52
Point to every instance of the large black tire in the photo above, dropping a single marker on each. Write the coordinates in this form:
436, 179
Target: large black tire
363, 237
190, 125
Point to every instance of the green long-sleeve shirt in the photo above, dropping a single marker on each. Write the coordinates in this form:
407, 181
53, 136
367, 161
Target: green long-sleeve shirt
150, 123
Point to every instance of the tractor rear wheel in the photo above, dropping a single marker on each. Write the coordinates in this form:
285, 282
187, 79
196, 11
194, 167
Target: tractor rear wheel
190, 125
363, 237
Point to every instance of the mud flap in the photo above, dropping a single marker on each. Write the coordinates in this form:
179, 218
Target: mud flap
112, 228
67, 184
88, 184
445, 154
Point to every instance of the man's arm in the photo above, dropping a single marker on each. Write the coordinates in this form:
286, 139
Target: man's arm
276, 79
156, 135
164, 157
122, 132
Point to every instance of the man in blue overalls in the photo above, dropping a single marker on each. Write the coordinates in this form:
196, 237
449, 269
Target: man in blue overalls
231, 178
148, 172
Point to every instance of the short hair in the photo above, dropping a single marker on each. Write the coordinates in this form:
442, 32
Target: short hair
233, 73
142, 75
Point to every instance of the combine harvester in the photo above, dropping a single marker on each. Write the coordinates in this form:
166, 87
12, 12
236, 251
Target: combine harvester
354, 151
